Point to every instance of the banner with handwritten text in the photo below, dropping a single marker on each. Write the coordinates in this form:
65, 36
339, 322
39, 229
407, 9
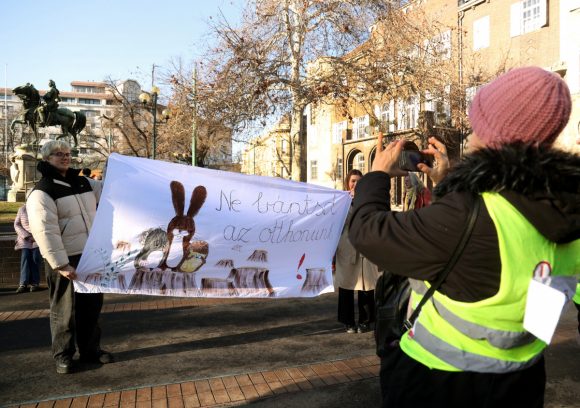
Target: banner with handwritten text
169, 229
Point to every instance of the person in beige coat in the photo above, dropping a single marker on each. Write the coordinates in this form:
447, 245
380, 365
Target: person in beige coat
354, 273
61, 210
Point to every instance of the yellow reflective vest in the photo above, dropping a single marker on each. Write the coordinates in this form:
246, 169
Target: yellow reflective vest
488, 335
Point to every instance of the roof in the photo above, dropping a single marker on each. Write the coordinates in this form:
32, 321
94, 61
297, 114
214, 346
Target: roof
66, 94
89, 83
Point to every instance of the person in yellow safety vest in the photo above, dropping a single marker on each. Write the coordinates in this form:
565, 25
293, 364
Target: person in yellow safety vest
468, 346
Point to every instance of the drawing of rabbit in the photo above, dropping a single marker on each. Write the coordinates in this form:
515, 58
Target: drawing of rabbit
181, 222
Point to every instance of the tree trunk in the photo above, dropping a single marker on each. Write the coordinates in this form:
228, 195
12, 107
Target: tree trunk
298, 141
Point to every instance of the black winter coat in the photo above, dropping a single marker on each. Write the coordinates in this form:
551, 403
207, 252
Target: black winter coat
542, 183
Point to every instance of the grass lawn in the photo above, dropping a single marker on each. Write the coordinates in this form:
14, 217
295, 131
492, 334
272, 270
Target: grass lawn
8, 211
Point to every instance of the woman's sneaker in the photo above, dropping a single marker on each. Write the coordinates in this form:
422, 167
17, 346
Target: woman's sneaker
362, 328
21, 289
350, 329
64, 365
34, 288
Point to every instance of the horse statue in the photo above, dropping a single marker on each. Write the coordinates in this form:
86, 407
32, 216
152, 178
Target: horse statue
71, 123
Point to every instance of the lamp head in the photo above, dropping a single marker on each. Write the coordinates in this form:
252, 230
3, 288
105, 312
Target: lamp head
144, 98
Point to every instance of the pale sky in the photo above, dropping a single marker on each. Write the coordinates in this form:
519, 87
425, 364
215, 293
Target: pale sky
89, 40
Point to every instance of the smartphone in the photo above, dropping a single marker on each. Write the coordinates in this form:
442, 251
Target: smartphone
409, 160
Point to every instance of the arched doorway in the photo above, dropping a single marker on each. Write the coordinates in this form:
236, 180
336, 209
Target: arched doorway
355, 160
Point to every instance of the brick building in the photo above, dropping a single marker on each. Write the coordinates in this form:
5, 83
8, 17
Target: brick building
483, 38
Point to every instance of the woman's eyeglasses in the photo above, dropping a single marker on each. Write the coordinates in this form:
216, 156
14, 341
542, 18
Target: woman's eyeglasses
60, 154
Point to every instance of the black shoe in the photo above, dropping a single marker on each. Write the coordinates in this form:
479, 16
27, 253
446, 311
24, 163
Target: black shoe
362, 328
350, 329
34, 288
64, 365
101, 357
21, 289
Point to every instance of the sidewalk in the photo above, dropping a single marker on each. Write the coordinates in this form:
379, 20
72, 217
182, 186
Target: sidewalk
175, 352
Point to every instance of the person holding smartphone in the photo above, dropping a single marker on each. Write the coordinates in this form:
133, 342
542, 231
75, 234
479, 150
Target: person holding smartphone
468, 346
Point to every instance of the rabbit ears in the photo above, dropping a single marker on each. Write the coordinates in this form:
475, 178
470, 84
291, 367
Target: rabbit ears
178, 197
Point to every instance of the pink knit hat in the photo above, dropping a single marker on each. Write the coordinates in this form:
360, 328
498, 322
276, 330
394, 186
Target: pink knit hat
526, 104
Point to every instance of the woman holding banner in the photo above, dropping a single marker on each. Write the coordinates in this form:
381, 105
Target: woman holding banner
354, 273
61, 210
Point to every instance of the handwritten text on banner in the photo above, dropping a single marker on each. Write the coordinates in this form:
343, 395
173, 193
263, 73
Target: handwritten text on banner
175, 230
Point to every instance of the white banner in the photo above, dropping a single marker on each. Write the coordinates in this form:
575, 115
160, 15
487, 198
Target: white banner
169, 229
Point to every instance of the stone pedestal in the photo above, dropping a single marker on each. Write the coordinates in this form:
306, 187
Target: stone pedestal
23, 172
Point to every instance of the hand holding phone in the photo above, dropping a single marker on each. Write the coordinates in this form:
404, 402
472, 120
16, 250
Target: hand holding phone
411, 156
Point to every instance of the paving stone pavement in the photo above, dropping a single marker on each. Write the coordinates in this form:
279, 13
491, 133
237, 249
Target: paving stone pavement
175, 352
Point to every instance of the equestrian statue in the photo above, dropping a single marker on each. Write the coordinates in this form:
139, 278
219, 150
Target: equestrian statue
41, 112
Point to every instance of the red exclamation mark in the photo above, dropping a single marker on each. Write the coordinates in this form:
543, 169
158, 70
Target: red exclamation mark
298, 276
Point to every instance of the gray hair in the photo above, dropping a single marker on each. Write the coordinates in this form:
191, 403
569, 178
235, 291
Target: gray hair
51, 146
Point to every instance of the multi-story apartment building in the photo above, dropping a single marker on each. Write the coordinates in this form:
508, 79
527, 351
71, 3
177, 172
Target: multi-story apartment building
269, 154
483, 39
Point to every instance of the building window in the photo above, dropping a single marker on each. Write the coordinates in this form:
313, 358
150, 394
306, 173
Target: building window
337, 131
443, 45
359, 162
88, 89
439, 47
87, 101
481, 33
313, 169
527, 16
339, 168
312, 114
408, 113
469, 95
90, 113
361, 124
439, 106
7, 112
387, 117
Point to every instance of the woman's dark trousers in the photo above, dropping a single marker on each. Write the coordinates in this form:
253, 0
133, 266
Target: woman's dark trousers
366, 306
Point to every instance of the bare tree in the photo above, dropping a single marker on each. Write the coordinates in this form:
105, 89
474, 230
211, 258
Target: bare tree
130, 122
259, 69
408, 55
213, 142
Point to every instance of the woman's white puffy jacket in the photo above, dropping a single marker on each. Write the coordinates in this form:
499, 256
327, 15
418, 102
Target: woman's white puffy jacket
61, 211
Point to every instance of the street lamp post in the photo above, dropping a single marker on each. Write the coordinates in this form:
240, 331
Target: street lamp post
194, 121
145, 98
